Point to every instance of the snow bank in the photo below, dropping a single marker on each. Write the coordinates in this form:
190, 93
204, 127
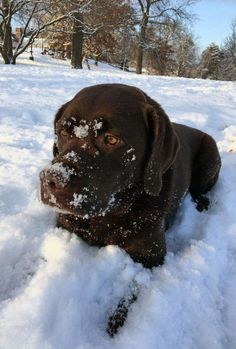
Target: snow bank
56, 292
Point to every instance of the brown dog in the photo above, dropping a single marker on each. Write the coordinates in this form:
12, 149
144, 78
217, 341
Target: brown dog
121, 169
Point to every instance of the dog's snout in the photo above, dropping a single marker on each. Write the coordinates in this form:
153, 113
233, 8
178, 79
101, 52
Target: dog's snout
56, 176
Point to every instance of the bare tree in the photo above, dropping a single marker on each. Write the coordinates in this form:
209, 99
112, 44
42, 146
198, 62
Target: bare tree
104, 20
153, 12
7, 10
29, 13
159, 50
228, 67
91, 29
185, 51
35, 16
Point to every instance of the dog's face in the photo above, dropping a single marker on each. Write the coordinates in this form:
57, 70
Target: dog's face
101, 149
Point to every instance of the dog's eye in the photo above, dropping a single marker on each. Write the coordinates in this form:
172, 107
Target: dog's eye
111, 140
64, 133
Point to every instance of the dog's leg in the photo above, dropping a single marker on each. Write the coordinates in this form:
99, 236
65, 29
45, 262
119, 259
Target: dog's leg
205, 172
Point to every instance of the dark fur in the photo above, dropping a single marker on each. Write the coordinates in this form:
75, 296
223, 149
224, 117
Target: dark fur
149, 174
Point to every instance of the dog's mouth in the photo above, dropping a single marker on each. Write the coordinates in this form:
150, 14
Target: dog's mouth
83, 211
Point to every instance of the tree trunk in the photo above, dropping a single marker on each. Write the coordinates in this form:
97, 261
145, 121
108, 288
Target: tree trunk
139, 62
6, 50
77, 42
13, 61
142, 38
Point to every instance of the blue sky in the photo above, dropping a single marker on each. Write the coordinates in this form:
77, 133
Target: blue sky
214, 20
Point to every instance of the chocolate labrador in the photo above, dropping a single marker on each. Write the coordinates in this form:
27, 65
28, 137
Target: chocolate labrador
121, 169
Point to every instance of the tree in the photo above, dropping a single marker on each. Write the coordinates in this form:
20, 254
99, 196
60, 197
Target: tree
159, 57
228, 68
5, 32
76, 12
77, 41
185, 51
109, 21
29, 13
171, 50
92, 30
153, 12
36, 17
112, 40
210, 63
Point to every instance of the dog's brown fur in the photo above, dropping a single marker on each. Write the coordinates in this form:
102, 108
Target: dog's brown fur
125, 193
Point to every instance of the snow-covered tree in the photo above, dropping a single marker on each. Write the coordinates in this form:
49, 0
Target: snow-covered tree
151, 13
185, 52
171, 50
33, 15
228, 68
210, 63
92, 30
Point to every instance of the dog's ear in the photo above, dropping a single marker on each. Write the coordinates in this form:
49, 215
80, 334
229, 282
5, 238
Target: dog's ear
57, 117
164, 145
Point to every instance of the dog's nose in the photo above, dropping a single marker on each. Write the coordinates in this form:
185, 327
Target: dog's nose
56, 176
51, 180
54, 180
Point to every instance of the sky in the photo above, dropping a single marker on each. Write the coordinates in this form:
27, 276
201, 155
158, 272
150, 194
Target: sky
214, 20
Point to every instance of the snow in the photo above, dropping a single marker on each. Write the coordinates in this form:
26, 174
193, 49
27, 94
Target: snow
97, 125
81, 131
78, 199
72, 155
58, 169
58, 293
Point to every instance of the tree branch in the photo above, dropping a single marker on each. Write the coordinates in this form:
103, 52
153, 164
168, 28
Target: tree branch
35, 34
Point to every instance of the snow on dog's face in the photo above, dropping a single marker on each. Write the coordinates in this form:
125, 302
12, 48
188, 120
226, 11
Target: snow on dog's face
99, 150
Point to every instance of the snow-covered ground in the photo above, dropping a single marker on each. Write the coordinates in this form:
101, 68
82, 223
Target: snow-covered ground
55, 291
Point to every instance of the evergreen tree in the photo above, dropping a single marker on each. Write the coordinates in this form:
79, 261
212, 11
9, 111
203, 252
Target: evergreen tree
210, 63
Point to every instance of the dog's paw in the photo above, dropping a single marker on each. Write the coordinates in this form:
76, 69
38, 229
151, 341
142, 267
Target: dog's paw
202, 202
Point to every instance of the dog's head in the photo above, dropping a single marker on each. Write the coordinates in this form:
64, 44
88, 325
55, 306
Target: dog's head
108, 140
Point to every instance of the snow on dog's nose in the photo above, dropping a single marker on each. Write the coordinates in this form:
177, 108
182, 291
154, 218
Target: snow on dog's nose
56, 176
